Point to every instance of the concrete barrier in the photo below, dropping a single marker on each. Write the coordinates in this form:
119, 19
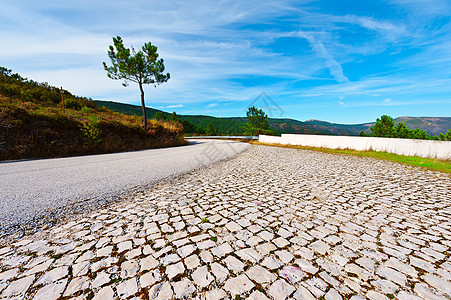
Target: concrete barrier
408, 147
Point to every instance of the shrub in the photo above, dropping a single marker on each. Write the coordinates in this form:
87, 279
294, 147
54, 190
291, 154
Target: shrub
91, 131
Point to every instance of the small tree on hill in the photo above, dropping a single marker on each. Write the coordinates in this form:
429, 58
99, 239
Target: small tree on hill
210, 130
141, 67
159, 115
445, 136
257, 122
384, 127
402, 131
174, 117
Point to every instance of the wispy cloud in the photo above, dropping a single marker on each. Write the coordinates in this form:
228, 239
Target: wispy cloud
334, 67
175, 106
231, 51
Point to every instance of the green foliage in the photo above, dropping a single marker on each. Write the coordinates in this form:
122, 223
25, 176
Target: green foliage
210, 130
141, 67
15, 86
188, 127
159, 116
174, 117
257, 122
72, 103
401, 130
384, 127
446, 136
91, 131
200, 130
85, 110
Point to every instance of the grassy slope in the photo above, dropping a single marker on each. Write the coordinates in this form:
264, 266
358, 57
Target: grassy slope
32, 129
428, 163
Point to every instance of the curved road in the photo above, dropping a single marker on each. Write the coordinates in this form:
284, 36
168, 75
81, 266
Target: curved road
37, 188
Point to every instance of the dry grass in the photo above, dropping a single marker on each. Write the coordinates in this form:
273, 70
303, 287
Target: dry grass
40, 130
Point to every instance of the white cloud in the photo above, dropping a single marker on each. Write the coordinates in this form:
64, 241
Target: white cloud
175, 106
334, 67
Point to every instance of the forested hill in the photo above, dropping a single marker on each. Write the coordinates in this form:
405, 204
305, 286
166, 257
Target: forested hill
432, 125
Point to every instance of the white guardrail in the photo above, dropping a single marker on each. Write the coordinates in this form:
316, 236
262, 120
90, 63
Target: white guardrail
408, 147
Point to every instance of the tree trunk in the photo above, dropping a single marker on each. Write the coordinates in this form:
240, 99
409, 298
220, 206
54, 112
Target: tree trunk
143, 105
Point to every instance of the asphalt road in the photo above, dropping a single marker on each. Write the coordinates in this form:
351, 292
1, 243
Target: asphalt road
36, 189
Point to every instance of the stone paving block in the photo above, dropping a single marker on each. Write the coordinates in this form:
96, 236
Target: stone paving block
183, 288
175, 269
101, 279
18, 287
51, 291
202, 277
104, 294
234, 264
148, 263
249, 254
217, 294
260, 275
219, 271
222, 250
238, 285
75, 285
161, 291
192, 262
149, 278
280, 289
53, 275
292, 274
303, 294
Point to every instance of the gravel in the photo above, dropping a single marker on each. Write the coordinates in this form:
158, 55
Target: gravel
38, 192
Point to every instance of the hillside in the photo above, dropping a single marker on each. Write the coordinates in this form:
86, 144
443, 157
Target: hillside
34, 124
231, 125
432, 125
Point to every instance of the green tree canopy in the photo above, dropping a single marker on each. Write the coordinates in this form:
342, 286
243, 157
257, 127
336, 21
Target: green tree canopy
401, 130
210, 130
159, 115
257, 122
141, 67
174, 117
384, 127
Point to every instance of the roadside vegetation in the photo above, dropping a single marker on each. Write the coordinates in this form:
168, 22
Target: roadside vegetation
40, 121
257, 122
385, 127
415, 161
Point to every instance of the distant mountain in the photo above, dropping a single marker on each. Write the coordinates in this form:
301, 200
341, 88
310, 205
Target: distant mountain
432, 125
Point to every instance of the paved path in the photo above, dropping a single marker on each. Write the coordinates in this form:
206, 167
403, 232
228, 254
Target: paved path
271, 223
33, 189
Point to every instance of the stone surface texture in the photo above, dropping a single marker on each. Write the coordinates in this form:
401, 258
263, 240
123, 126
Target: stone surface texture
271, 223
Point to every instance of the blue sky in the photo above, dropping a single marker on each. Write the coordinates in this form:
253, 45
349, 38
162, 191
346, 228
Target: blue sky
338, 61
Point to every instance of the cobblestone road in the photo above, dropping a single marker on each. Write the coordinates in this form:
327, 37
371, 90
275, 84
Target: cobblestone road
271, 223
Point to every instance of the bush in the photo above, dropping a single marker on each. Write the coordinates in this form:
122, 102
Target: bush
91, 131
72, 103
85, 110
